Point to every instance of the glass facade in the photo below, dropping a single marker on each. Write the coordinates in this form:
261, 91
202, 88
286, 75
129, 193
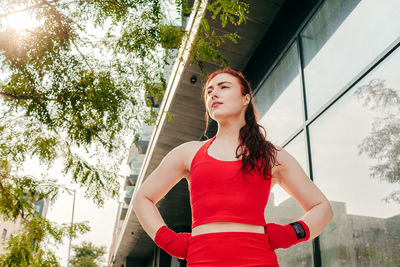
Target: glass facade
341, 40
284, 209
355, 152
278, 101
350, 59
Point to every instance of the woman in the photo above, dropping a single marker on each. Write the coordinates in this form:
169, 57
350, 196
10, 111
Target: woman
230, 177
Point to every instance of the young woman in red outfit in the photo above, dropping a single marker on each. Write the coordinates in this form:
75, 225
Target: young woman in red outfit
230, 177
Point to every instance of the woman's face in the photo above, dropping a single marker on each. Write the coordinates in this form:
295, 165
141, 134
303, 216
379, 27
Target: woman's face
224, 97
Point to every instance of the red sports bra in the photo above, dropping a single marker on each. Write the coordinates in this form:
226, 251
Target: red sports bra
218, 191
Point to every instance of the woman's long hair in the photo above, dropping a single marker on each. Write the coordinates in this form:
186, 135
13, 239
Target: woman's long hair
256, 152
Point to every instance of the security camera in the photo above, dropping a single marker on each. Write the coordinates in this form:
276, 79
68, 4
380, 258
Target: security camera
193, 79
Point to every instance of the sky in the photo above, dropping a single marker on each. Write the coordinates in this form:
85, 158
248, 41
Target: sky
101, 220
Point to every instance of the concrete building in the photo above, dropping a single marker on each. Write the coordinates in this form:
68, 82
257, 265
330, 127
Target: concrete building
325, 75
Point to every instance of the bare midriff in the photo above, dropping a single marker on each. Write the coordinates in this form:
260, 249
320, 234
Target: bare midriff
215, 227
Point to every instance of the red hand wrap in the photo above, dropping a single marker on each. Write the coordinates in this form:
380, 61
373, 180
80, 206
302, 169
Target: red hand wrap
175, 244
284, 236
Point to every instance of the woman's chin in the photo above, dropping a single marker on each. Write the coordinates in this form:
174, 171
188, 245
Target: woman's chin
215, 116
219, 116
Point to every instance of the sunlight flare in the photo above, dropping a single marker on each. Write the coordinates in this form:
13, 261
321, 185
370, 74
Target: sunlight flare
20, 21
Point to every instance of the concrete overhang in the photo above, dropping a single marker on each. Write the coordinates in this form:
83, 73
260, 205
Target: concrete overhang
183, 100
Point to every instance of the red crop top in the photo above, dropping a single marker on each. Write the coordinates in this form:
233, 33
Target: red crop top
218, 191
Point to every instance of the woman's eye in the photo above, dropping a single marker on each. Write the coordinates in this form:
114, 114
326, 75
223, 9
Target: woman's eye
209, 92
224, 87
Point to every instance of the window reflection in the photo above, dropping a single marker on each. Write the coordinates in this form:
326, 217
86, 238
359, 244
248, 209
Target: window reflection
284, 209
279, 100
355, 154
342, 39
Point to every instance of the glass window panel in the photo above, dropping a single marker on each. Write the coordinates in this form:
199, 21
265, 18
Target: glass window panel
136, 163
279, 100
283, 209
355, 153
145, 132
341, 40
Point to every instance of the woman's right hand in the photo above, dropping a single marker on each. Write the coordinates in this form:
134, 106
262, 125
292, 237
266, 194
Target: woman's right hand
175, 244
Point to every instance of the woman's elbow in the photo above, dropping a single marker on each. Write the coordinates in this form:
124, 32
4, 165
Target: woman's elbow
136, 200
329, 211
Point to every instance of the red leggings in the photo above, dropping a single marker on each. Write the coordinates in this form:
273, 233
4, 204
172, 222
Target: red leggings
231, 249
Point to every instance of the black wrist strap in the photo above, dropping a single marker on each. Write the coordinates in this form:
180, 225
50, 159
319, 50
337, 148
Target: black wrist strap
299, 229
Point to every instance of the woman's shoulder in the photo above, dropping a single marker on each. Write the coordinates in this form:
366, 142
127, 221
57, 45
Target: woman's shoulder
276, 169
192, 146
286, 162
188, 150
281, 154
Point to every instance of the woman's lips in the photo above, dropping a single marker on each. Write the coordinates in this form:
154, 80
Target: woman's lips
215, 104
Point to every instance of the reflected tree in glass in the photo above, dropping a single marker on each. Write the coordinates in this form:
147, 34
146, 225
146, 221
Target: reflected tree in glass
383, 144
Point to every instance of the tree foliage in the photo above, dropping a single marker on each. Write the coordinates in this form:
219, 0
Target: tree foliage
76, 89
66, 88
87, 255
29, 246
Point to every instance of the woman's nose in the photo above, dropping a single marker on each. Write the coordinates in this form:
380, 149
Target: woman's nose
214, 94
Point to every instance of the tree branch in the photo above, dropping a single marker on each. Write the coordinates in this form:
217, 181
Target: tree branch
83, 56
8, 111
39, 5
16, 97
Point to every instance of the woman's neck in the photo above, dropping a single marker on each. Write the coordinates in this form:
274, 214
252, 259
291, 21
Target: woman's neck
229, 131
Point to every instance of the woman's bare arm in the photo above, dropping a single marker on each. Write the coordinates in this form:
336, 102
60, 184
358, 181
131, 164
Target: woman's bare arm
293, 179
170, 171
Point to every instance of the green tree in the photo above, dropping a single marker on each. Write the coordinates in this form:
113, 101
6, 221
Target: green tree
75, 89
87, 255
30, 245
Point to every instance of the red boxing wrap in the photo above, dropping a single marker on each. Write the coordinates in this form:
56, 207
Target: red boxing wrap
175, 244
284, 236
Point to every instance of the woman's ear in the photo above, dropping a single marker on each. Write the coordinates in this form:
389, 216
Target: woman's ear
247, 99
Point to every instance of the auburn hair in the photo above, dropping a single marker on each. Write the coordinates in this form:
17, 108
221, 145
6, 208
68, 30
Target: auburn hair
256, 151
